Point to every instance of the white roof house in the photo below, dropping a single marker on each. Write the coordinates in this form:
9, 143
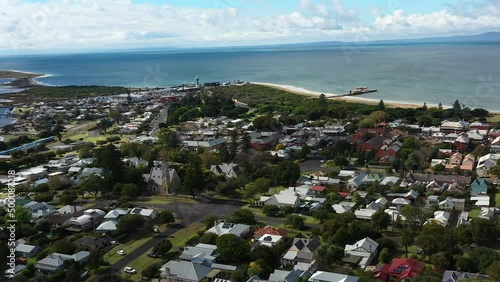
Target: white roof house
144, 212
229, 228
393, 213
389, 180
365, 248
184, 271
109, 225
401, 202
116, 213
286, 197
440, 217
364, 213
269, 240
323, 276
343, 207
485, 163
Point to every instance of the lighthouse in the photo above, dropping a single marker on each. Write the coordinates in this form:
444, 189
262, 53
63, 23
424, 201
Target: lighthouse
197, 81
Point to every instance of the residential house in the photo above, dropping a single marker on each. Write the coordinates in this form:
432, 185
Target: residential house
288, 197
107, 226
361, 253
55, 262
364, 213
39, 210
456, 276
209, 144
401, 202
302, 250
377, 205
479, 187
26, 251
89, 219
91, 243
354, 183
440, 217
389, 151
184, 271
147, 213
485, 163
456, 187
455, 161
116, 214
269, 240
488, 213
495, 145
481, 200
324, 276
229, 228
401, 269
264, 140
452, 204
204, 254
261, 231
343, 207
228, 170
162, 179
454, 126
317, 189
462, 142
435, 162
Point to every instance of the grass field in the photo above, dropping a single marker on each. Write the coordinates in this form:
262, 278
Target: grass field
494, 118
474, 213
158, 200
497, 200
133, 243
179, 239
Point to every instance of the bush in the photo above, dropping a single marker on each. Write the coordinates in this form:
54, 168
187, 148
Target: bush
271, 210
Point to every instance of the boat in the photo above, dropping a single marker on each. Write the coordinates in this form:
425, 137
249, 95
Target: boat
361, 90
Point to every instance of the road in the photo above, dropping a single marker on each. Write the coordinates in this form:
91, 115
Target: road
188, 213
162, 116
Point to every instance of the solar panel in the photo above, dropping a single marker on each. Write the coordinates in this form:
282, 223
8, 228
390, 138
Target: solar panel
137, 211
268, 238
226, 225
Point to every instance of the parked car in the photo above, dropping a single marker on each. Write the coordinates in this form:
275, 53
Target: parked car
121, 252
130, 270
156, 230
152, 255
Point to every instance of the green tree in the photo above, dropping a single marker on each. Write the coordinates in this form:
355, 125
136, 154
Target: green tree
286, 173
63, 246
130, 223
407, 237
209, 238
493, 271
93, 183
270, 210
381, 105
193, 182
162, 248
166, 216
240, 274
243, 216
328, 254
232, 249
68, 197
151, 271
296, 221
385, 256
95, 260
104, 124
210, 221
115, 114
381, 220
168, 138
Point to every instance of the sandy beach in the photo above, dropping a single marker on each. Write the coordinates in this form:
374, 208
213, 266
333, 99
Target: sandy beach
357, 99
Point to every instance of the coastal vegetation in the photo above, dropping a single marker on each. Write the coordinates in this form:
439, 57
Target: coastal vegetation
52, 93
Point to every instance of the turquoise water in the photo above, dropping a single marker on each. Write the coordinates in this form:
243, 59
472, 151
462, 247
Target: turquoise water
416, 73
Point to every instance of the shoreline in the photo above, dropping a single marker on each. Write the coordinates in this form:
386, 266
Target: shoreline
21, 80
333, 96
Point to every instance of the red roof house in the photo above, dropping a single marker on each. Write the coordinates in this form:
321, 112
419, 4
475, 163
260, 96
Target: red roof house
318, 189
261, 231
400, 269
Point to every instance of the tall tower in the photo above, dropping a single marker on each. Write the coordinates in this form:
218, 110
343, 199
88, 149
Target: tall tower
197, 81
165, 177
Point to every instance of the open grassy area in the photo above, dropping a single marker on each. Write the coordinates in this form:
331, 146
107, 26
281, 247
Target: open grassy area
497, 200
179, 239
128, 246
494, 118
474, 213
158, 200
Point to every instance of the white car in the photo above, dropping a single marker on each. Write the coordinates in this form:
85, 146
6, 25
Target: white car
130, 270
121, 252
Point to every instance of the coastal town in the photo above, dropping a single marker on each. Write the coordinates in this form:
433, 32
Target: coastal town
233, 181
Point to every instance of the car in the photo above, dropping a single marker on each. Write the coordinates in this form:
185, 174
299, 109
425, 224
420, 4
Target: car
152, 255
496, 182
130, 270
322, 161
121, 252
156, 230
114, 243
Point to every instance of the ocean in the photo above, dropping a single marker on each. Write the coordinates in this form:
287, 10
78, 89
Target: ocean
411, 73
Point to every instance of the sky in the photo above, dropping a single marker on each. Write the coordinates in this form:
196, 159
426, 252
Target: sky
28, 26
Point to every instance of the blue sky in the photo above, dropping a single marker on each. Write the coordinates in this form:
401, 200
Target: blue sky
55, 25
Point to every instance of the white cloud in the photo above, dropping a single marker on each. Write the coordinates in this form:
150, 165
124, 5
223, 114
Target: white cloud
91, 24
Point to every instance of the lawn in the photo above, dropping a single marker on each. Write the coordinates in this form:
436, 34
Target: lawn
129, 246
178, 239
497, 200
474, 213
494, 118
158, 200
